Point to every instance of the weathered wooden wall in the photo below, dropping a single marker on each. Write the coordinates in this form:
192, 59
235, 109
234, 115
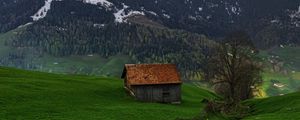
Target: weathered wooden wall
169, 93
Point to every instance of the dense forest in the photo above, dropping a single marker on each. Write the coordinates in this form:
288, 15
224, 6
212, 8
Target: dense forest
142, 44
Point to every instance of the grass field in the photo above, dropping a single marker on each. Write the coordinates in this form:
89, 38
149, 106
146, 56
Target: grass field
285, 107
34, 95
26, 95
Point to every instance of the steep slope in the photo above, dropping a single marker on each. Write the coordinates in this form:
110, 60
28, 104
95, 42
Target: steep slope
34, 95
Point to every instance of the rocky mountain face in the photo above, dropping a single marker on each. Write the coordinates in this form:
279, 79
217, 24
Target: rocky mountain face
175, 31
209, 17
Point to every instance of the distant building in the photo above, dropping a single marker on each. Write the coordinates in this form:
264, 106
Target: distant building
153, 82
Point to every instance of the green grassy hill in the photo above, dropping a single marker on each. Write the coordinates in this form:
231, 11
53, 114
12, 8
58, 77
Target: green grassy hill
285, 107
34, 95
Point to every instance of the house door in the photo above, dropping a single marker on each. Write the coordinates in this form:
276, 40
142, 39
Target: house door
166, 95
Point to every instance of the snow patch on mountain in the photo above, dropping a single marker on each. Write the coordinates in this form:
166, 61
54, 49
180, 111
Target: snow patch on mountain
200, 9
296, 14
192, 17
188, 2
121, 15
153, 13
104, 3
233, 9
99, 25
42, 12
167, 16
295, 17
212, 5
27, 24
275, 21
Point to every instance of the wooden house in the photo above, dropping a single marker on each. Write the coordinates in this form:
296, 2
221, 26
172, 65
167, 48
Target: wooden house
153, 82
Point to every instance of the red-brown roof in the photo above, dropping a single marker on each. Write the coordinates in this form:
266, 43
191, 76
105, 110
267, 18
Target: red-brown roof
149, 74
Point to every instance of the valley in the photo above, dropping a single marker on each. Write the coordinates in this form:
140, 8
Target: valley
63, 59
97, 65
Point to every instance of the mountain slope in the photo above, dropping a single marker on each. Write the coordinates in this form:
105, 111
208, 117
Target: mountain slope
209, 17
30, 58
68, 27
143, 44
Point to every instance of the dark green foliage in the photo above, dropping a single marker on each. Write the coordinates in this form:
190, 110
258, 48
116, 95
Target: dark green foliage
14, 13
142, 44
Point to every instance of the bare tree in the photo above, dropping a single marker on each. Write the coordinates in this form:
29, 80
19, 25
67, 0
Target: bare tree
236, 68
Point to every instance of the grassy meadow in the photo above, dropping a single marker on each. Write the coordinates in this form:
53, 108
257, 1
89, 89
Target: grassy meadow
35, 95
26, 95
